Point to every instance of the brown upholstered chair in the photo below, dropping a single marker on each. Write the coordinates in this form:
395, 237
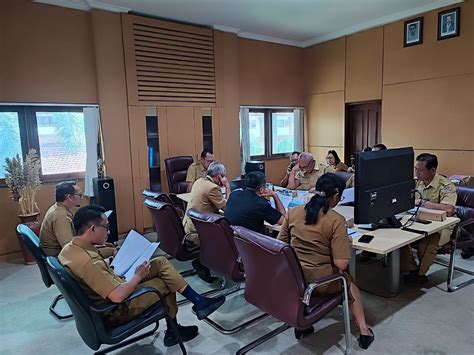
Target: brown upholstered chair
275, 284
176, 170
219, 254
462, 237
158, 196
170, 232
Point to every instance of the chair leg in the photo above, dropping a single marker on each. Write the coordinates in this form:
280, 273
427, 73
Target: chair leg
53, 310
130, 341
347, 318
263, 339
175, 330
449, 281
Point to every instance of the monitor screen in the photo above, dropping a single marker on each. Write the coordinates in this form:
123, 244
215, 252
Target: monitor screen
384, 185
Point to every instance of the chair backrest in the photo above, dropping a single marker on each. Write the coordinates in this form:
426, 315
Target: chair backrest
344, 174
158, 196
217, 248
274, 280
32, 243
465, 202
169, 228
77, 301
176, 170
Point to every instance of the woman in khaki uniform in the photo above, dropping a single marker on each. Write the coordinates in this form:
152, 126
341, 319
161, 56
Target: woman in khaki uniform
319, 237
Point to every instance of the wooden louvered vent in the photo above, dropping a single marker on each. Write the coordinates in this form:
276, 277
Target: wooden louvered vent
172, 63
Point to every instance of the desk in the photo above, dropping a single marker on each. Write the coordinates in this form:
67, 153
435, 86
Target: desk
388, 241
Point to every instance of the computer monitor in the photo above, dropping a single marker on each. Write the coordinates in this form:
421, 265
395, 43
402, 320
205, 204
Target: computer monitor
384, 186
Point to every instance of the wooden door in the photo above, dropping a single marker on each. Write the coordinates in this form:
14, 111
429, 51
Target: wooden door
362, 127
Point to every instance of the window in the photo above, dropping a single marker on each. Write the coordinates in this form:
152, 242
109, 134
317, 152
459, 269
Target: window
273, 132
57, 134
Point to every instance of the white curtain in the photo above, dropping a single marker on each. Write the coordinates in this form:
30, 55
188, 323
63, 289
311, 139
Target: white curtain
244, 138
91, 129
298, 117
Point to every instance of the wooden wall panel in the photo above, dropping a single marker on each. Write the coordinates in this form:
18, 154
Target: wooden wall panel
180, 131
326, 120
430, 114
270, 74
139, 160
227, 84
108, 49
324, 67
452, 162
47, 54
433, 58
364, 56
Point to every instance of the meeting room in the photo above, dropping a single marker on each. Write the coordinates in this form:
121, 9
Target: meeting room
233, 177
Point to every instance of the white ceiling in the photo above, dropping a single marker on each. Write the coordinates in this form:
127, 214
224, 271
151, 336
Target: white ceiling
299, 23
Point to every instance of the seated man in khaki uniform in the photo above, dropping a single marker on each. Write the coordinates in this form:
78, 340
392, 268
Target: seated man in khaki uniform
206, 196
100, 283
437, 193
304, 175
198, 169
57, 229
293, 161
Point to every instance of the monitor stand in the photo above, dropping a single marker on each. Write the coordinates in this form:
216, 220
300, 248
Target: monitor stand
390, 222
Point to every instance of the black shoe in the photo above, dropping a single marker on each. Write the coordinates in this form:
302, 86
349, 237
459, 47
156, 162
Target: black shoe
414, 279
186, 333
203, 272
208, 306
299, 333
366, 340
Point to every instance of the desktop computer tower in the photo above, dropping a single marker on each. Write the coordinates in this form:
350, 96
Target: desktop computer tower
104, 195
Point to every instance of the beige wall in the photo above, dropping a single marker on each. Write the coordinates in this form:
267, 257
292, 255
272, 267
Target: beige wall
426, 90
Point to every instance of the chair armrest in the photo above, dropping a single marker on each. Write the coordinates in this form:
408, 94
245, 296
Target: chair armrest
319, 282
110, 305
460, 226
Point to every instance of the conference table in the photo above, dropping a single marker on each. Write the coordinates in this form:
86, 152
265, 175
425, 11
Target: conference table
386, 241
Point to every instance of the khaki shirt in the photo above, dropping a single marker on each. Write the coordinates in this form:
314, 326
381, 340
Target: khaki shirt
196, 171
439, 190
94, 276
56, 230
206, 196
305, 181
316, 245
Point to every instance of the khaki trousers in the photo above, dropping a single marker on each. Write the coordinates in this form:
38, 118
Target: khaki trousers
426, 250
163, 277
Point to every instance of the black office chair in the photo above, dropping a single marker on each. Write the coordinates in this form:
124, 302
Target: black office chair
89, 317
32, 243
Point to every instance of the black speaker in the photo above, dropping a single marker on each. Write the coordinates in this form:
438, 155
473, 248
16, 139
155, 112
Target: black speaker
104, 195
254, 166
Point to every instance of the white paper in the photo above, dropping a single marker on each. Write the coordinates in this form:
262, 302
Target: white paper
133, 246
348, 195
353, 234
284, 198
145, 256
108, 213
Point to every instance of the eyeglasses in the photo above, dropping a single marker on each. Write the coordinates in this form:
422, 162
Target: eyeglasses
105, 226
80, 195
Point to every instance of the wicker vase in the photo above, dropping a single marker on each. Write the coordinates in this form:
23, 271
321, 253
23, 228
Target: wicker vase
32, 222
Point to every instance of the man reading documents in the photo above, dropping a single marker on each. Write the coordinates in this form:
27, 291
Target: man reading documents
101, 284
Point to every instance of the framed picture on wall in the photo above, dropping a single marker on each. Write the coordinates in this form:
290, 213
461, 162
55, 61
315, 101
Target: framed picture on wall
448, 23
413, 32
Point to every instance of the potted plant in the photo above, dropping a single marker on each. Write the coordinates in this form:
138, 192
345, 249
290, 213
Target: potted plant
23, 179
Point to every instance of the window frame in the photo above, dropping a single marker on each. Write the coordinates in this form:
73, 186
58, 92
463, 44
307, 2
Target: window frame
29, 135
268, 128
